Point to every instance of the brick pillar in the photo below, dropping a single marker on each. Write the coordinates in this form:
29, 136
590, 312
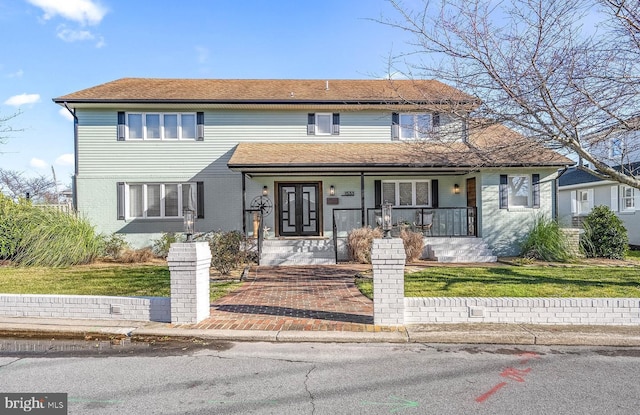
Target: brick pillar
189, 266
388, 259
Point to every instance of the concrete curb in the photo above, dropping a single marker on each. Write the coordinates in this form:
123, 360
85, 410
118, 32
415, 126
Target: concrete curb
507, 334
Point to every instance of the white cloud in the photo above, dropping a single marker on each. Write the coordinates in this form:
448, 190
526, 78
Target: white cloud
22, 99
71, 35
81, 11
101, 42
16, 74
65, 113
65, 160
38, 163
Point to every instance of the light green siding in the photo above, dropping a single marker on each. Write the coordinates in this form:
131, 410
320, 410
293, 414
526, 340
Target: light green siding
505, 229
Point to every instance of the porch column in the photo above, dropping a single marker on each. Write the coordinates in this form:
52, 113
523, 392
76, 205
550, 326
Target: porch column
362, 212
189, 267
388, 260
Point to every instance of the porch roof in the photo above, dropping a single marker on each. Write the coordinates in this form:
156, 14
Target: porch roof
494, 146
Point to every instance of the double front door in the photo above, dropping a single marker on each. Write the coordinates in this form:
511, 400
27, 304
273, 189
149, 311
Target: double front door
299, 209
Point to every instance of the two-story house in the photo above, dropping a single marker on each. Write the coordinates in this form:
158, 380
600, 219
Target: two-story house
316, 157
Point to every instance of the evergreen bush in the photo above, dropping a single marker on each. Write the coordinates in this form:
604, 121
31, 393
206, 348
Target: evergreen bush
227, 250
604, 235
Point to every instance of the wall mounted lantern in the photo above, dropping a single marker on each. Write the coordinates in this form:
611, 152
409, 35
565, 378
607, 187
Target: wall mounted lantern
332, 190
265, 190
456, 189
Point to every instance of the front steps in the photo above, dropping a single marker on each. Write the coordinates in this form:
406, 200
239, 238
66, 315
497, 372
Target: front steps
297, 252
457, 250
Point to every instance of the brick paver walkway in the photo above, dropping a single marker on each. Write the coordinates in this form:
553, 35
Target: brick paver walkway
295, 298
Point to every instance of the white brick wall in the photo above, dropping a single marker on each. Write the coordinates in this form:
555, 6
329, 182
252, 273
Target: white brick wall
189, 266
387, 260
596, 311
86, 306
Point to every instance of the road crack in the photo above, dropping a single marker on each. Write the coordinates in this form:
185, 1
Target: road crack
306, 388
10, 363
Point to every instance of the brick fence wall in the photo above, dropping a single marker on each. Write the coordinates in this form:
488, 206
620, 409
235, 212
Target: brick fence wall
86, 306
391, 307
596, 311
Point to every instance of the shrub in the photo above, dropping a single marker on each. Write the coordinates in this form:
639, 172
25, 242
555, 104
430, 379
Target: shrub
161, 245
227, 250
12, 217
546, 241
114, 245
134, 256
52, 238
604, 234
413, 244
359, 243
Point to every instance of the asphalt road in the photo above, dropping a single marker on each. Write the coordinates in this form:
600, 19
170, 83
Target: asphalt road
305, 378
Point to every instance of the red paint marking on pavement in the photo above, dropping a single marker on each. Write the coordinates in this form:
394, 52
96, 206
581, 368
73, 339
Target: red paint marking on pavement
493, 390
515, 374
526, 356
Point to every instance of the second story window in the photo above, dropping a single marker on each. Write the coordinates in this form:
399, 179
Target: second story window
160, 126
414, 126
323, 124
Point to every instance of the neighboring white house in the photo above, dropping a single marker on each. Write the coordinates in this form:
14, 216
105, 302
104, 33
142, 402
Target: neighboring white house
320, 157
580, 191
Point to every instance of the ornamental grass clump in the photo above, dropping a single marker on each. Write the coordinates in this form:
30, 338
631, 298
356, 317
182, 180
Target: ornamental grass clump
57, 239
413, 244
546, 242
359, 243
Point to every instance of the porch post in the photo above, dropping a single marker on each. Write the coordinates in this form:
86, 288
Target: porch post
362, 213
244, 204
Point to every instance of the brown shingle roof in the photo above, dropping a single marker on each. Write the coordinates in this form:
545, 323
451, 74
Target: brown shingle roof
494, 146
267, 90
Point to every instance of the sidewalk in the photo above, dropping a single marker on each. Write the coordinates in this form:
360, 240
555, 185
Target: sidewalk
508, 334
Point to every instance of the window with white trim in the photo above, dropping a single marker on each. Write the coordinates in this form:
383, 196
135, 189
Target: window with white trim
160, 126
627, 198
585, 202
519, 187
415, 126
323, 124
406, 192
159, 200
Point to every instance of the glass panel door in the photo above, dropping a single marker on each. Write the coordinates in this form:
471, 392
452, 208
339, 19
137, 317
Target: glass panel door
299, 210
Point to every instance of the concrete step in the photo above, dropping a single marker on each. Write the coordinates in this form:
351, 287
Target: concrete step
297, 252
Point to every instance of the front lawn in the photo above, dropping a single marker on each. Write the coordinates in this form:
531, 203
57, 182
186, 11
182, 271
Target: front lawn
97, 279
515, 281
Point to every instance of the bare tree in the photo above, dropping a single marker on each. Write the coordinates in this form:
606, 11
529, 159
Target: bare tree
5, 128
40, 188
565, 73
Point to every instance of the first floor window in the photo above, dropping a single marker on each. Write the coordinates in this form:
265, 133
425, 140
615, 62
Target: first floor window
627, 201
160, 200
406, 192
519, 190
585, 201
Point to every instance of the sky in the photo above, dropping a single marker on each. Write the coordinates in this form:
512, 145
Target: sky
54, 47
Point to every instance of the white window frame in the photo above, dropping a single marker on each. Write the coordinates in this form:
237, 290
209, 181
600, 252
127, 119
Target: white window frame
510, 195
127, 206
413, 192
587, 195
417, 133
317, 123
624, 198
162, 127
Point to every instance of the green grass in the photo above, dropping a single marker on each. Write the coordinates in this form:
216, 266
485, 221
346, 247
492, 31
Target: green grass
117, 280
512, 281
633, 255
